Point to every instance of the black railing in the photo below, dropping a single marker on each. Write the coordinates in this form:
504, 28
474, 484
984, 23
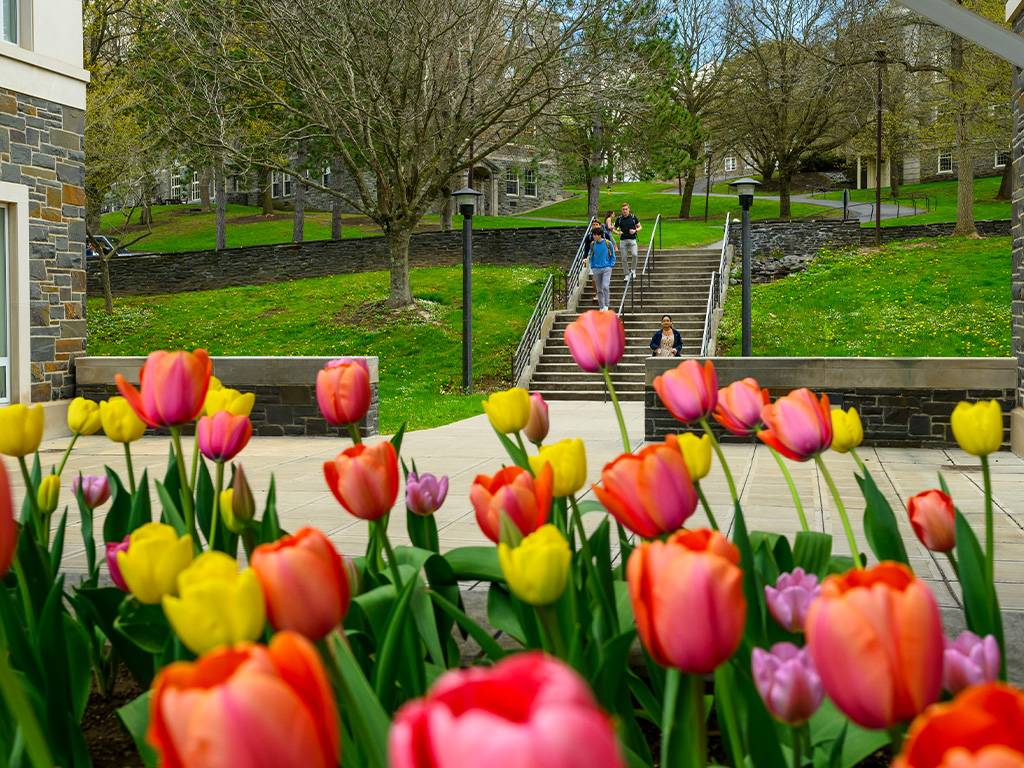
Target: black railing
645, 273
716, 292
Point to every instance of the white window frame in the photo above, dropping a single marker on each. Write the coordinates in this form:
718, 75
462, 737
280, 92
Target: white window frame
729, 163
945, 153
511, 178
15, 198
529, 180
15, 31
176, 186
194, 188
5, 313
275, 184
1009, 158
289, 185
325, 177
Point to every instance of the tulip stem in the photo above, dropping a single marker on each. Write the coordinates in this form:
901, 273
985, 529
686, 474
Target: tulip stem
990, 536
131, 469
30, 494
186, 489
707, 507
26, 596
215, 511
798, 739
722, 461
522, 447
20, 707
952, 562
854, 552
896, 736
700, 717
673, 678
382, 536
553, 632
353, 431
626, 447
67, 452
607, 600
860, 463
195, 460
792, 488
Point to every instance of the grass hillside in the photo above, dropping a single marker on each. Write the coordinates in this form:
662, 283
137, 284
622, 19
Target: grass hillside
420, 350
943, 297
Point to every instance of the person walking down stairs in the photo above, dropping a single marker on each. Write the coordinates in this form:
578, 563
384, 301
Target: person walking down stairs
602, 259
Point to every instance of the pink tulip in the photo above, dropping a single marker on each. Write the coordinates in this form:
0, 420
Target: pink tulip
933, 518
343, 390
95, 489
537, 427
223, 435
969, 660
172, 387
8, 528
788, 682
739, 406
424, 494
799, 425
527, 710
791, 598
689, 391
596, 340
113, 547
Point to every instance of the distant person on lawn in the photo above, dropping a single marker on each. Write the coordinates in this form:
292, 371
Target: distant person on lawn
602, 259
627, 226
667, 342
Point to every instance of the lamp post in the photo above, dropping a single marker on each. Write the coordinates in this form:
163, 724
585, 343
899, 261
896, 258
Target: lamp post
465, 200
746, 188
878, 151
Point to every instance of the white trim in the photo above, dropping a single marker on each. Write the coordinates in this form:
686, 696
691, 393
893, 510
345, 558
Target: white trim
509, 176
15, 197
5, 324
996, 163
1014, 8
729, 163
938, 165
526, 183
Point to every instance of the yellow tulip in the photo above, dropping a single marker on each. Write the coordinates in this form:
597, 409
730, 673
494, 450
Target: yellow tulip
847, 431
568, 460
237, 506
509, 410
21, 429
119, 421
696, 453
48, 495
978, 427
83, 416
230, 400
216, 605
153, 560
537, 570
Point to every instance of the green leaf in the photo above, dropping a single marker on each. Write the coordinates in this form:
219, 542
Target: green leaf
141, 512
591, 505
396, 440
518, 457
172, 515
135, 716
475, 563
812, 551
423, 616
611, 670
79, 665
102, 606
270, 526
843, 744
880, 526
116, 524
762, 731
725, 709
835, 758
502, 614
981, 603
359, 704
387, 657
751, 586
144, 625
422, 531
204, 501
487, 643
88, 538
57, 548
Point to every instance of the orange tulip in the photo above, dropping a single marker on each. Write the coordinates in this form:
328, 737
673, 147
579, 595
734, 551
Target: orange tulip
364, 479
983, 727
246, 706
304, 583
799, 425
933, 518
172, 387
687, 596
876, 638
689, 391
343, 390
525, 499
739, 406
596, 340
649, 492
8, 528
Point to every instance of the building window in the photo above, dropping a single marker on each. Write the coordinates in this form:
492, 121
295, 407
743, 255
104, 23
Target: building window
288, 184
326, 179
511, 183
730, 163
9, 21
176, 186
946, 161
275, 186
1003, 158
195, 187
530, 182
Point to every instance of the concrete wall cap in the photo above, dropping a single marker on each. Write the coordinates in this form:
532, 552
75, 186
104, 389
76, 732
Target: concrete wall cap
237, 372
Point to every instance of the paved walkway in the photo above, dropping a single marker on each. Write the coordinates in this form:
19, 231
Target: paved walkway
466, 448
863, 211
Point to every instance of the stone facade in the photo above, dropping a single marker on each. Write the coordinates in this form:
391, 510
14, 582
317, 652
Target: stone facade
256, 265
1017, 277
41, 147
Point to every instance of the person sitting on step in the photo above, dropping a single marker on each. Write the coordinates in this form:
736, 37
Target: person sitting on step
666, 342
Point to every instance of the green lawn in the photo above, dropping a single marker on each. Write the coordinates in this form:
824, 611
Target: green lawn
940, 297
420, 351
943, 194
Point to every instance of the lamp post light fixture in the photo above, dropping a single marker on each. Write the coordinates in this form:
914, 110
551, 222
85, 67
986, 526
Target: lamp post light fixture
466, 199
746, 188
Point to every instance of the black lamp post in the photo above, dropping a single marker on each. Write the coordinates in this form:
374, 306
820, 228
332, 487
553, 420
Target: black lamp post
746, 188
465, 199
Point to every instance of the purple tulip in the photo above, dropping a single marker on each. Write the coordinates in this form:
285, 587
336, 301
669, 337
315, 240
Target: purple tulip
95, 489
791, 598
969, 660
424, 494
113, 547
788, 682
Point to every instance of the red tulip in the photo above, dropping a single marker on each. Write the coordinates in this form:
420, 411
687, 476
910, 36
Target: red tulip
876, 638
364, 479
983, 727
343, 390
933, 518
304, 583
172, 387
246, 706
8, 528
112, 548
689, 391
527, 711
536, 428
687, 596
525, 499
739, 406
799, 425
596, 340
649, 492
223, 435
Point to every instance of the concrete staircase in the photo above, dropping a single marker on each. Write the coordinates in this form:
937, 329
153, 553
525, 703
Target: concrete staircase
678, 286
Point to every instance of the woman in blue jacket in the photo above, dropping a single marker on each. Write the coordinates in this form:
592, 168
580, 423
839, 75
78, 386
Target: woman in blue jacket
602, 259
667, 342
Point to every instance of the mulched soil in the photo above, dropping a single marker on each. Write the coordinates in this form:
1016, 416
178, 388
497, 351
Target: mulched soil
109, 743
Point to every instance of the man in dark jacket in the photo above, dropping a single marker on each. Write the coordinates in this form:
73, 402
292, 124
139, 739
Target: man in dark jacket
667, 342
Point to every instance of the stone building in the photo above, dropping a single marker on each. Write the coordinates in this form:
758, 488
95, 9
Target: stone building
42, 200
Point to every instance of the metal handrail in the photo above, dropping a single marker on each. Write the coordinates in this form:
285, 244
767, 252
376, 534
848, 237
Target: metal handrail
521, 357
716, 291
631, 274
573, 282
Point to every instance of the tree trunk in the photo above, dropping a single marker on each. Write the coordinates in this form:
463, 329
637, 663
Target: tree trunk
1006, 184
146, 214
687, 201
964, 150
220, 184
895, 174
93, 214
108, 296
444, 207
204, 190
336, 202
268, 195
400, 294
611, 167
299, 196
596, 158
785, 181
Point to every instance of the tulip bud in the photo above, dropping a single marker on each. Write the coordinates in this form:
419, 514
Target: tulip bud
788, 682
112, 548
83, 416
791, 598
95, 489
799, 425
689, 391
153, 560
424, 494
508, 411
568, 460
21, 429
237, 506
969, 660
739, 406
364, 479
355, 578
978, 427
120, 423
538, 569
222, 436
48, 495
343, 390
596, 340
933, 518
696, 453
537, 427
847, 431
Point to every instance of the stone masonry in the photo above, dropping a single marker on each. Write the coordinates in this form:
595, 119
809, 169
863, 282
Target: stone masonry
41, 146
1017, 305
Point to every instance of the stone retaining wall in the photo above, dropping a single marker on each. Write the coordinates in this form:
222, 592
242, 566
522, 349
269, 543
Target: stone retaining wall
995, 228
256, 265
285, 389
903, 402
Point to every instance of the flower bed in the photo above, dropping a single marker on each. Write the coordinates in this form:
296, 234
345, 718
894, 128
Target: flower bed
302, 657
